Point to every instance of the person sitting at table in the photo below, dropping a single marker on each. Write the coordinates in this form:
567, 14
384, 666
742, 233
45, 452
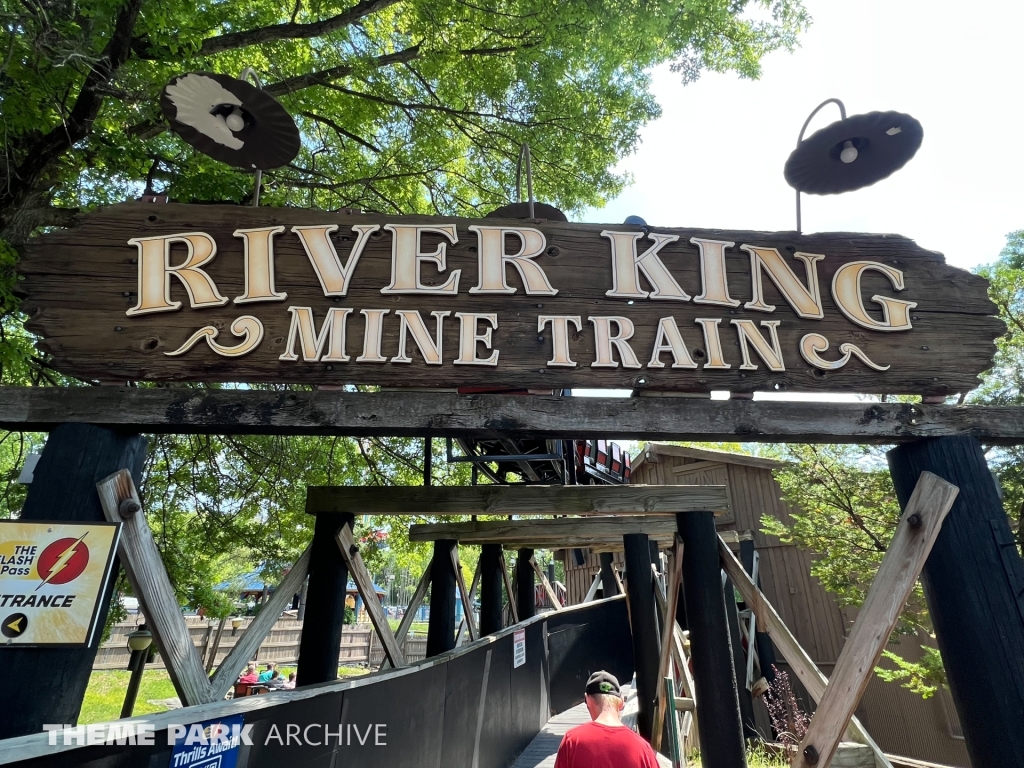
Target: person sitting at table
266, 674
275, 681
249, 677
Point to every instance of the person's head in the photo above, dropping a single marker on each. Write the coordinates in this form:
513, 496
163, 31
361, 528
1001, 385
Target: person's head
291, 677
271, 665
251, 667
275, 675
603, 695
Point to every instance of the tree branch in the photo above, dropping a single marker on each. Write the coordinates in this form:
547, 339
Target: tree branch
49, 147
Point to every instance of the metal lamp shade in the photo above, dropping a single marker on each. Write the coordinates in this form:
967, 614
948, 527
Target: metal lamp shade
195, 103
885, 142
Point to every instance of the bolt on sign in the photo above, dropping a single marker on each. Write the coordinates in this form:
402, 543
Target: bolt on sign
52, 576
239, 294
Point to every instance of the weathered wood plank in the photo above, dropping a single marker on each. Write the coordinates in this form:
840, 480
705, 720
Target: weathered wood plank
364, 583
916, 533
812, 678
145, 569
675, 569
250, 641
519, 500
502, 531
464, 596
417, 414
548, 589
88, 332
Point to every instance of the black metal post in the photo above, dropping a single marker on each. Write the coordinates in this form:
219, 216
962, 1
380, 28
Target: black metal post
526, 594
320, 642
721, 729
441, 627
644, 626
51, 682
974, 583
609, 584
491, 581
765, 647
137, 664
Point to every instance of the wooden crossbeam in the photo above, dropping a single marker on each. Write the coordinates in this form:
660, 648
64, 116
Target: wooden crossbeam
812, 678
145, 569
509, 592
464, 595
548, 589
669, 615
418, 414
916, 533
548, 531
364, 583
410, 612
518, 500
248, 644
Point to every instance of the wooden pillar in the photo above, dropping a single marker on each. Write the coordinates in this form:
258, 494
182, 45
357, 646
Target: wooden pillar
526, 595
49, 683
320, 642
609, 584
441, 628
739, 662
491, 580
721, 729
974, 584
644, 627
764, 645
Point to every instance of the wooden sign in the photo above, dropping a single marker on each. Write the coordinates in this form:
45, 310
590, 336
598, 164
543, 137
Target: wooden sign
240, 294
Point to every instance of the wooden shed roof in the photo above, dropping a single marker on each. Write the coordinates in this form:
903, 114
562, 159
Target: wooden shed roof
651, 451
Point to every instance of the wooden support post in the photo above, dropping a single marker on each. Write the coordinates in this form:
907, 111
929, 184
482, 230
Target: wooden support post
364, 583
51, 681
490, 589
320, 642
472, 596
609, 584
668, 626
739, 661
510, 593
644, 625
441, 628
145, 569
546, 583
465, 595
526, 596
212, 659
915, 534
254, 635
800, 662
763, 643
974, 584
721, 729
410, 612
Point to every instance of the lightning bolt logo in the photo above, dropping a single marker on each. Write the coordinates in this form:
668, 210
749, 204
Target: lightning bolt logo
62, 560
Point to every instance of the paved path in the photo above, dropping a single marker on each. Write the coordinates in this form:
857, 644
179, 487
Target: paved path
541, 752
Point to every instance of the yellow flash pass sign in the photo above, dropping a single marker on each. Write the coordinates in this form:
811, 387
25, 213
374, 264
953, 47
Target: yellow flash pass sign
52, 578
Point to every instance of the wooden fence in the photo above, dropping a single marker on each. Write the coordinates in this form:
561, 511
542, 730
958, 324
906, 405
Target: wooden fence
359, 644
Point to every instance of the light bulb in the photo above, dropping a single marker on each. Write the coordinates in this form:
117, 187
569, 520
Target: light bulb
849, 153
236, 122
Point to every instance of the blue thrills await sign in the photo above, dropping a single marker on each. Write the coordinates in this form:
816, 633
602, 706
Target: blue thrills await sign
209, 744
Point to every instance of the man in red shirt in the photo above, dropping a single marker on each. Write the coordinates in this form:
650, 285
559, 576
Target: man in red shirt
604, 742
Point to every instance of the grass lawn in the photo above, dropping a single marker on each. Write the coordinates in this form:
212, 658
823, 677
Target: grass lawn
105, 694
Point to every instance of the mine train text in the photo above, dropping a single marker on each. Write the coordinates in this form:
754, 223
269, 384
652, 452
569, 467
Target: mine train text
636, 269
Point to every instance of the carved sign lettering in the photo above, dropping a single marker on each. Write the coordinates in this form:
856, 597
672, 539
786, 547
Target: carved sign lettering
239, 294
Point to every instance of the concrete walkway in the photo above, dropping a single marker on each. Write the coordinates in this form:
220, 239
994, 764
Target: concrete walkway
542, 750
